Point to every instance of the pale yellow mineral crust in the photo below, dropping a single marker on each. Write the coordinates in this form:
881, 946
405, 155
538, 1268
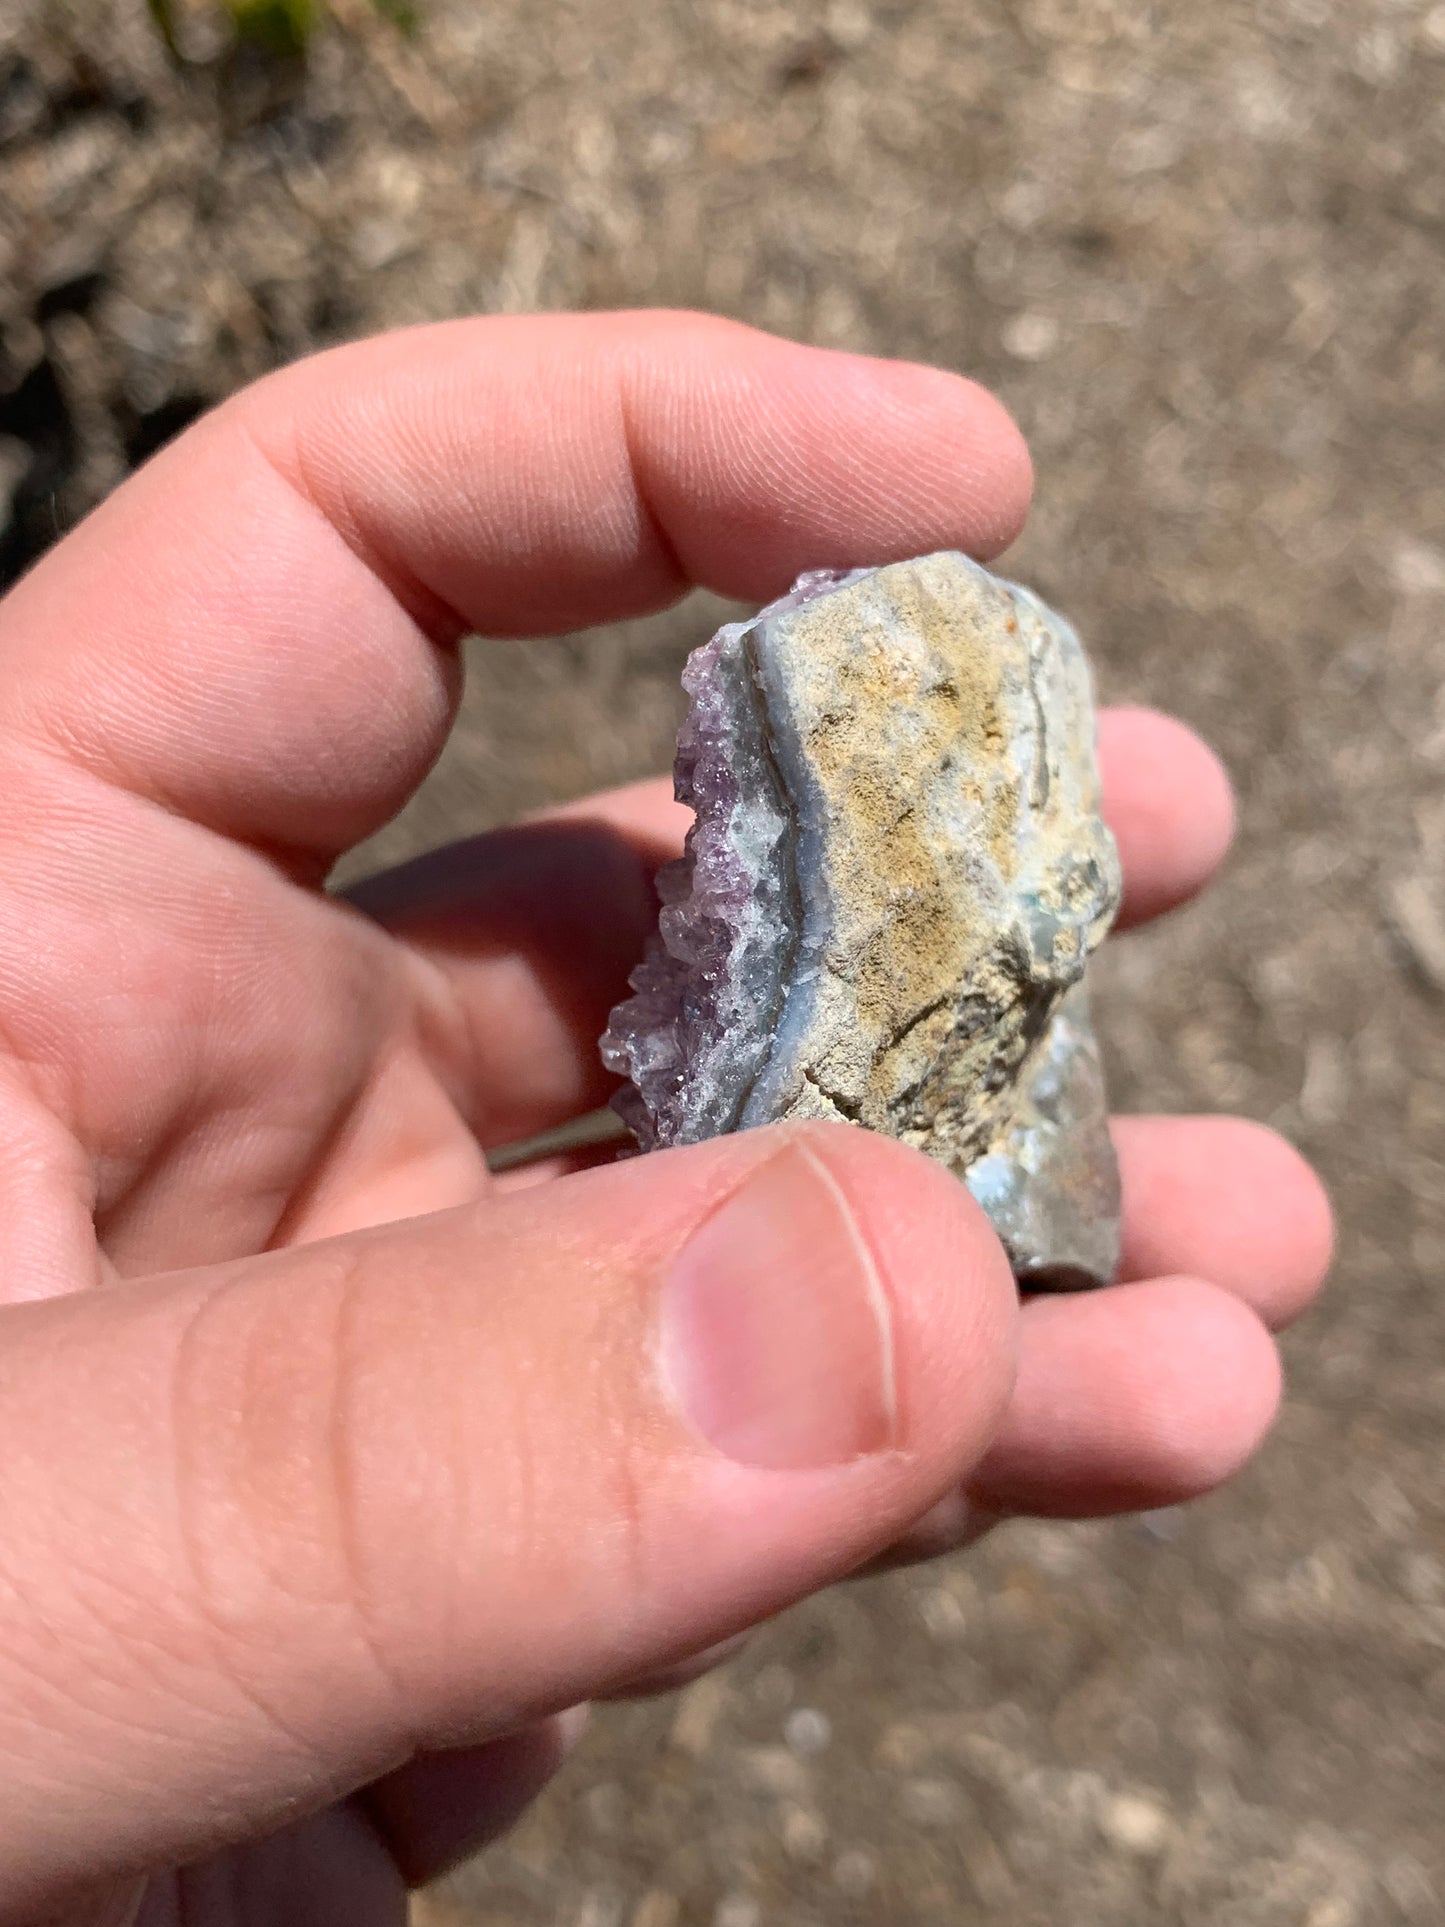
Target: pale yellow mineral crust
911, 697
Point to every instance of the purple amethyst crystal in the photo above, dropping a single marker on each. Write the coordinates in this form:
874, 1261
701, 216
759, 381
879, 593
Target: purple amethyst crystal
709, 991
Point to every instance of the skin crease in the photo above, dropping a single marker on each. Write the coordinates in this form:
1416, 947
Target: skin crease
378, 1469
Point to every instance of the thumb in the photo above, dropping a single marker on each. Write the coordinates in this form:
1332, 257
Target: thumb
269, 1528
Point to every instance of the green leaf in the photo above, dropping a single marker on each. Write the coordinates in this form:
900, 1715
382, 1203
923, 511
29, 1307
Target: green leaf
401, 14
281, 26
164, 15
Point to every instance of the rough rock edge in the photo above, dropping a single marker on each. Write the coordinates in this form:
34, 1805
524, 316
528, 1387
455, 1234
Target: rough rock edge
706, 1029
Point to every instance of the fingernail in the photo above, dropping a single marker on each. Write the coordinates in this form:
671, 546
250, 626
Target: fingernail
776, 1327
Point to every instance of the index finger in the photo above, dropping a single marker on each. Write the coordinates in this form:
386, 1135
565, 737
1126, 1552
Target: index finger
255, 631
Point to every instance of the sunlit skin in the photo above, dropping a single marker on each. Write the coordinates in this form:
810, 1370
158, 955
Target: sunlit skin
334, 1469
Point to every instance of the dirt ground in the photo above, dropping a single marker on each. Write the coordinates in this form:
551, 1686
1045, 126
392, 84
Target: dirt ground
1200, 250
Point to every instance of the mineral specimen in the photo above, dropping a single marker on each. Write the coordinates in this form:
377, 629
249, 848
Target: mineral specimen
895, 877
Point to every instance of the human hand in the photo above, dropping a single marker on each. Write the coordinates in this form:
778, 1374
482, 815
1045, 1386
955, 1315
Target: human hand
355, 1466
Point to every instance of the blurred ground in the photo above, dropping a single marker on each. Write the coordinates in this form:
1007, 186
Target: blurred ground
1201, 251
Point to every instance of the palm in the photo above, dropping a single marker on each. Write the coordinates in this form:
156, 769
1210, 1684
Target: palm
304, 1094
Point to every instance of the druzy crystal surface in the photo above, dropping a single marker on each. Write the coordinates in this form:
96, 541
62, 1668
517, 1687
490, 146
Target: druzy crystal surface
896, 875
